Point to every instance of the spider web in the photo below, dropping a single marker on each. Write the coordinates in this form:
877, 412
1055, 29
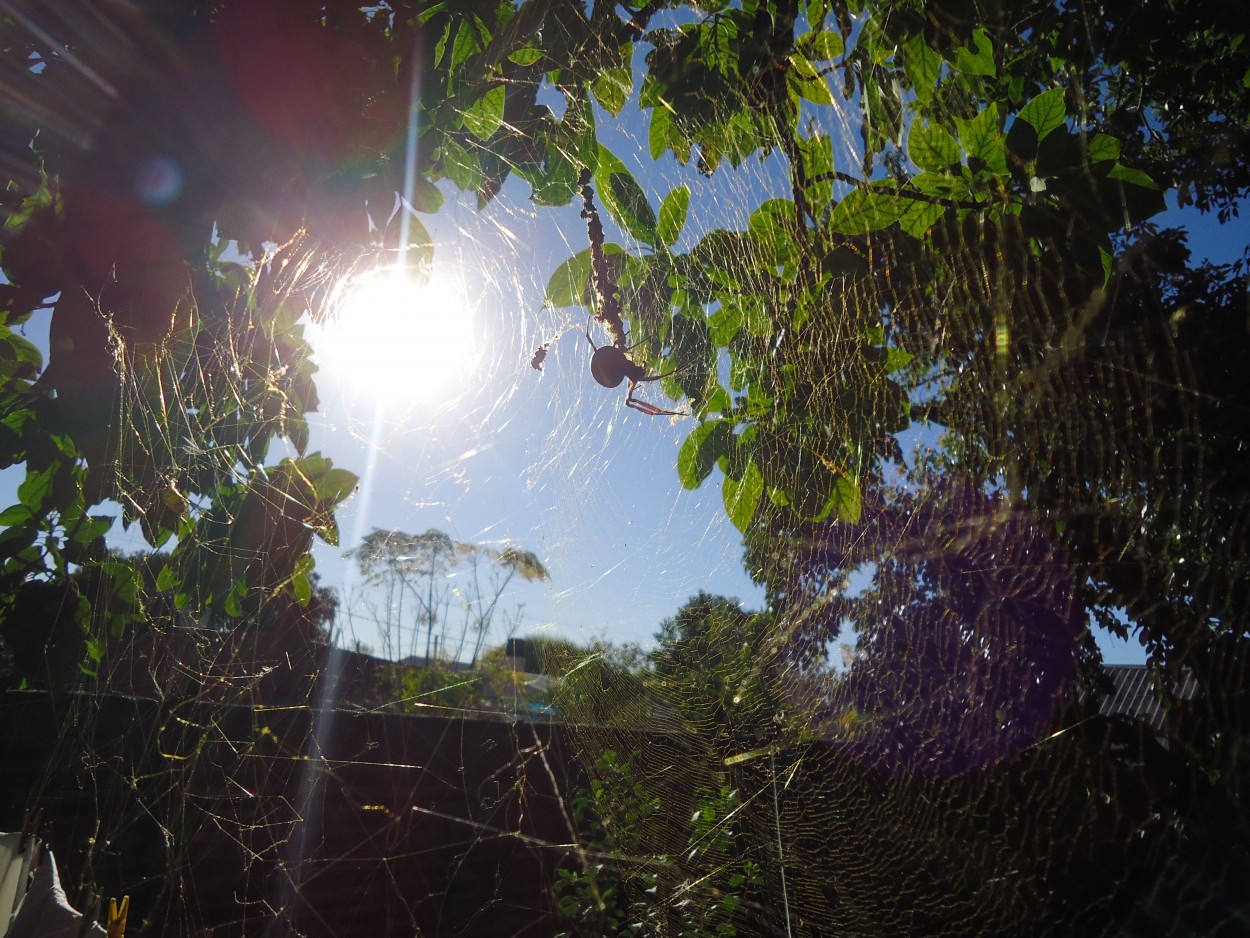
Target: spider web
898, 730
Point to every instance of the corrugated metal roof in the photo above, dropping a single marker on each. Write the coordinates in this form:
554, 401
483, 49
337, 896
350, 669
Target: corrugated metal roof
1135, 694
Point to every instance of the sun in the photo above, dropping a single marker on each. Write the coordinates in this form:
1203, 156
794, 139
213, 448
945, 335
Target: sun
399, 337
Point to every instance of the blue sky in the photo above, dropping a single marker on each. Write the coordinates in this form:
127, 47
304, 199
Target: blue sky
548, 461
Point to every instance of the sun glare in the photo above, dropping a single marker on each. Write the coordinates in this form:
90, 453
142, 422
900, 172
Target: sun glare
400, 338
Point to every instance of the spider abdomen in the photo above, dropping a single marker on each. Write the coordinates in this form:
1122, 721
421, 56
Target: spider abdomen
610, 366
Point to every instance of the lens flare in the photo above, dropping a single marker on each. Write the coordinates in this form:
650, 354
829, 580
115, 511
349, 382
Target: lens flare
398, 337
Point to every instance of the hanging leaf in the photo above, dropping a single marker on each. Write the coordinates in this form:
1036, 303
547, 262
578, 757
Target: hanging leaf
845, 502
932, 148
919, 217
983, 141
673, 216
864, 211
426, 197
485, 115
1045, 112
1103, 147
612, 89
742, 496
821, 46
808, 83
923, 68
624, 198
526, 56
707, 443
978, 57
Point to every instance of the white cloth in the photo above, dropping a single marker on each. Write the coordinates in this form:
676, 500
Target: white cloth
41, 910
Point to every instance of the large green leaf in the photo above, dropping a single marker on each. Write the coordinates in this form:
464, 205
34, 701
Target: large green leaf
932, 148
983, 140
624, 198
845, 502
663, 133
483, 117
807, 82
976, 58
336, 485
821, 46
612, 88
468, 41
864, 211
568, 286
919, 217
771, 228
1045, 112
701, 450
742, 496
922, 66
1102, 148
673, 215
426, 197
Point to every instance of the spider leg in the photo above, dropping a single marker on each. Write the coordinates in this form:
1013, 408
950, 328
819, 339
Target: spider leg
588, 338
649, 409
654, 377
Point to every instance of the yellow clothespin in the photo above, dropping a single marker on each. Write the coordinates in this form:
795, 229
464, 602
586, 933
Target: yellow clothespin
117, 917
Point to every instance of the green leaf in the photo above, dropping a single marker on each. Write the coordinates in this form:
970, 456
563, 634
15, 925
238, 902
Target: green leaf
1134, 177
96, 526
700, 451
612, 88
567, 286
818, 164
440, 47
742, 496
932, 148
1045, 112
624, 198
896, 360
724, 324
19, 357
1103, 147
821, 46
336, 485
923, 68
845, 502
36, 488
527, 56
806, 82
864, 211
662, 133
301, 583
770, 226
673, 216
982, 140
166, 579
466, 44
426, 197
460, 166
919, 217
977, 58
15, 514
485, 115
328, 531
758, 320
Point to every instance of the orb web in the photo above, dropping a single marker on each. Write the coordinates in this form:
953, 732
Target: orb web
820, 653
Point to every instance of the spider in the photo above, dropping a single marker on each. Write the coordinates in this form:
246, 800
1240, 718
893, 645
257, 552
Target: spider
610, 366
540, 356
